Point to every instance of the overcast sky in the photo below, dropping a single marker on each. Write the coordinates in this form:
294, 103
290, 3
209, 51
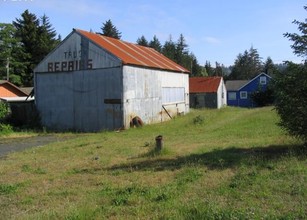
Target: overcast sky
215, 30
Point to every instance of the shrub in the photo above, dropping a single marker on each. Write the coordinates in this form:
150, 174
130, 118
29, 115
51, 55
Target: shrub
4, 111
198, 120
5, 128
291, 99
263, 98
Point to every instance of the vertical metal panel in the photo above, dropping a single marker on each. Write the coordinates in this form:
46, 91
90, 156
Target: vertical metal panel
54, 100
143, 94
75, 100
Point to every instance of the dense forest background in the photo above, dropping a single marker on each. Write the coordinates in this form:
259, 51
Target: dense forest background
28, 39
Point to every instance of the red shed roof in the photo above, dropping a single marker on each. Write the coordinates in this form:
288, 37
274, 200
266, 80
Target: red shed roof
133, 54
204, 84
8, 89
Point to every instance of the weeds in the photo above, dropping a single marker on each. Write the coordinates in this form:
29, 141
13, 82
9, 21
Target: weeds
8, 188
198, 120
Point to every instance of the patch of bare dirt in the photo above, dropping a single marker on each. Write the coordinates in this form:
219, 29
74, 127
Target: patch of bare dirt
9, 145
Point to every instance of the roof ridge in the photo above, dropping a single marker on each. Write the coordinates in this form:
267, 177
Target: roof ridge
134, 54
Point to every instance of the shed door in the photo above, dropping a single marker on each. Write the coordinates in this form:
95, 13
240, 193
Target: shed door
113, 113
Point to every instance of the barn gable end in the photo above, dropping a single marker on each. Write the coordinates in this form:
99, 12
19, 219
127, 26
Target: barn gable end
75, 53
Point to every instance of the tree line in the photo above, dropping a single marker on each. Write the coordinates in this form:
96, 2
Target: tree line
27, 40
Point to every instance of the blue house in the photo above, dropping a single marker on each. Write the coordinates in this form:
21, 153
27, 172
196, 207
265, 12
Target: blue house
239, 91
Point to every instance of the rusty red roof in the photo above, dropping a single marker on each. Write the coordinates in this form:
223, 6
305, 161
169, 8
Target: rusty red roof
8, 89
204, 84
133, 54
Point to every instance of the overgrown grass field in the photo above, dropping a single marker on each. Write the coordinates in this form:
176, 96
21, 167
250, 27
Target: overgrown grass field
215, 164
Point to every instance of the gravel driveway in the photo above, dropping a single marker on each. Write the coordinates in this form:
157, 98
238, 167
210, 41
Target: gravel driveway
18, 144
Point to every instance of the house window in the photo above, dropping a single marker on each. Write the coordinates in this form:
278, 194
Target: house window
232, 95
243, 95
262, 80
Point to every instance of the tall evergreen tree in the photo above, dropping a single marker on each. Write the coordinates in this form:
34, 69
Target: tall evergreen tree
12, 55
46, 38
181, 50
247, 65
290, 87
27, 30
195, 69
178, 52
255, 61
142, 41
218, 69
37, 40
109, 30
155, 44
299, 45
169, 49
209, 69
269, 67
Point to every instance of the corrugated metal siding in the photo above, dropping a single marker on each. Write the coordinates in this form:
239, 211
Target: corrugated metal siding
70, 56
76, 100
143, 94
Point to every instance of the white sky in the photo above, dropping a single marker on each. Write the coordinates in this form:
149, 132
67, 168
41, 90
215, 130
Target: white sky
215, 30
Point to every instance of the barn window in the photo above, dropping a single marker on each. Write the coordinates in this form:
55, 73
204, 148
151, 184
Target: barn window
262, 80
172, 95
232, 95
243, 95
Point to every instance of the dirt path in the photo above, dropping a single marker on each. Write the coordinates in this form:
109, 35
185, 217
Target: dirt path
18, 144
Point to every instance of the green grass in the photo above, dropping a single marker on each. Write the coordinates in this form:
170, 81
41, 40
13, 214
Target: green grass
215, 164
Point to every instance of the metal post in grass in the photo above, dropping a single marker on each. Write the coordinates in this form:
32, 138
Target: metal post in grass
159, 142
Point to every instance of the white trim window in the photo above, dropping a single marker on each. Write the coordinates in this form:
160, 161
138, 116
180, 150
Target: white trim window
243, 95
262, 80
232, 96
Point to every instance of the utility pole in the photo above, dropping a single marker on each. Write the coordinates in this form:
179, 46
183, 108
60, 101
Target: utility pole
7, 69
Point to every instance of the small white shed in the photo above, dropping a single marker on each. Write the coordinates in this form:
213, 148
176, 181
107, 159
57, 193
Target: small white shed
207, 92
92, 82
